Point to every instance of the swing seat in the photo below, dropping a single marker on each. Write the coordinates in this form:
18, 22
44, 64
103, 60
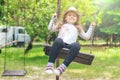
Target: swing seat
83, 58
14, 73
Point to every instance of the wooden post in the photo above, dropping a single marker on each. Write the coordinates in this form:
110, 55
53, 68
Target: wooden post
57, 64
58, 15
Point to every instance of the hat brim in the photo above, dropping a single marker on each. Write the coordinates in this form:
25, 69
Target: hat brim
72, 11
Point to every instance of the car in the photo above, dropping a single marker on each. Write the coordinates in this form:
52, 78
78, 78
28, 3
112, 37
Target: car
13, 35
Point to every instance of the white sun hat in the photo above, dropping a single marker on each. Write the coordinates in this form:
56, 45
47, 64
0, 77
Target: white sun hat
72, 9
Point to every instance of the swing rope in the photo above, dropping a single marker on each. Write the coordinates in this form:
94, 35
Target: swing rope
91, 41
6, 23
24, 32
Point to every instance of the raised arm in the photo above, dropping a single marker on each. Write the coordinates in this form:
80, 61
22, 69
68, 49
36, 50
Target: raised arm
88, 34
52, 24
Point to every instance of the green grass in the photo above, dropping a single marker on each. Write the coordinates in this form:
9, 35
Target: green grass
104, 67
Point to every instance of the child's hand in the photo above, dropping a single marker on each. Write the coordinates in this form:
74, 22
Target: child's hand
54, 15
79, 28
93, 24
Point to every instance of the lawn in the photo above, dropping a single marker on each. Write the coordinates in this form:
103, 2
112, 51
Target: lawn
104, 67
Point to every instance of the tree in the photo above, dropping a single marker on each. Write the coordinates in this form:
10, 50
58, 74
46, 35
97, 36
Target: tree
114, 15
110, 18
1, 8
36, 14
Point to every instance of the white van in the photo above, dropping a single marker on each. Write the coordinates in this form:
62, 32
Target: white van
14, 35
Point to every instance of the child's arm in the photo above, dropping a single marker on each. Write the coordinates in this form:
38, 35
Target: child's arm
52, 24
88, 34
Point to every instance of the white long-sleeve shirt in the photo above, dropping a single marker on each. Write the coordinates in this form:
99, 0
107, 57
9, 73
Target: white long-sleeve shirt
69, 33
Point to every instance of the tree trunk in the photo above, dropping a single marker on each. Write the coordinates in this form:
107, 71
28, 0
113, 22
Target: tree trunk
107, 40
111, 39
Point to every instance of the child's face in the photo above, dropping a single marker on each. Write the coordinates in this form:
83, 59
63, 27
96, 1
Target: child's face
71, 18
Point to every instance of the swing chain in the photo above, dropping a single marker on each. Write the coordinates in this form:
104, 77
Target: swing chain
91, 42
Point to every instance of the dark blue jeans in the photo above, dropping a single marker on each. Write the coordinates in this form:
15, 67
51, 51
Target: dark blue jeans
58, 45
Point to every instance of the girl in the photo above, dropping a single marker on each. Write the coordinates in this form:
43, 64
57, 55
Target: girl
68, 32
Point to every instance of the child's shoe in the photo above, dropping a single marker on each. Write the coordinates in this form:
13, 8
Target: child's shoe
60, 70
49, 68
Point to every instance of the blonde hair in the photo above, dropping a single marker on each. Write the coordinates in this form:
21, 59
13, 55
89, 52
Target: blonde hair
64, 21
64, 16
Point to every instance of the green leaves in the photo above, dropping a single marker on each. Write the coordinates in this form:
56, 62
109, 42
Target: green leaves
111, 30
35, 15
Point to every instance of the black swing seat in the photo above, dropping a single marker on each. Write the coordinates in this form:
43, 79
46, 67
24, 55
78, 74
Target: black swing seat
83, 58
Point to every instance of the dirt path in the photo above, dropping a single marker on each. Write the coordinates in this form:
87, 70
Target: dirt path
37, 73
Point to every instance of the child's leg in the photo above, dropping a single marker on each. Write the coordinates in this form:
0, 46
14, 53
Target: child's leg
73, 52
74, 49
49, 68
60, 69
57, 45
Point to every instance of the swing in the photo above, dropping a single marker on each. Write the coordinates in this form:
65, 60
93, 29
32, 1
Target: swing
12, 72
82, 57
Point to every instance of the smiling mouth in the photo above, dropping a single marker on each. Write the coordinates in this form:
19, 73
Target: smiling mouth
71, 19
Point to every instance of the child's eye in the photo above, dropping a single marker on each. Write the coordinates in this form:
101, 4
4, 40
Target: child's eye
74, 15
